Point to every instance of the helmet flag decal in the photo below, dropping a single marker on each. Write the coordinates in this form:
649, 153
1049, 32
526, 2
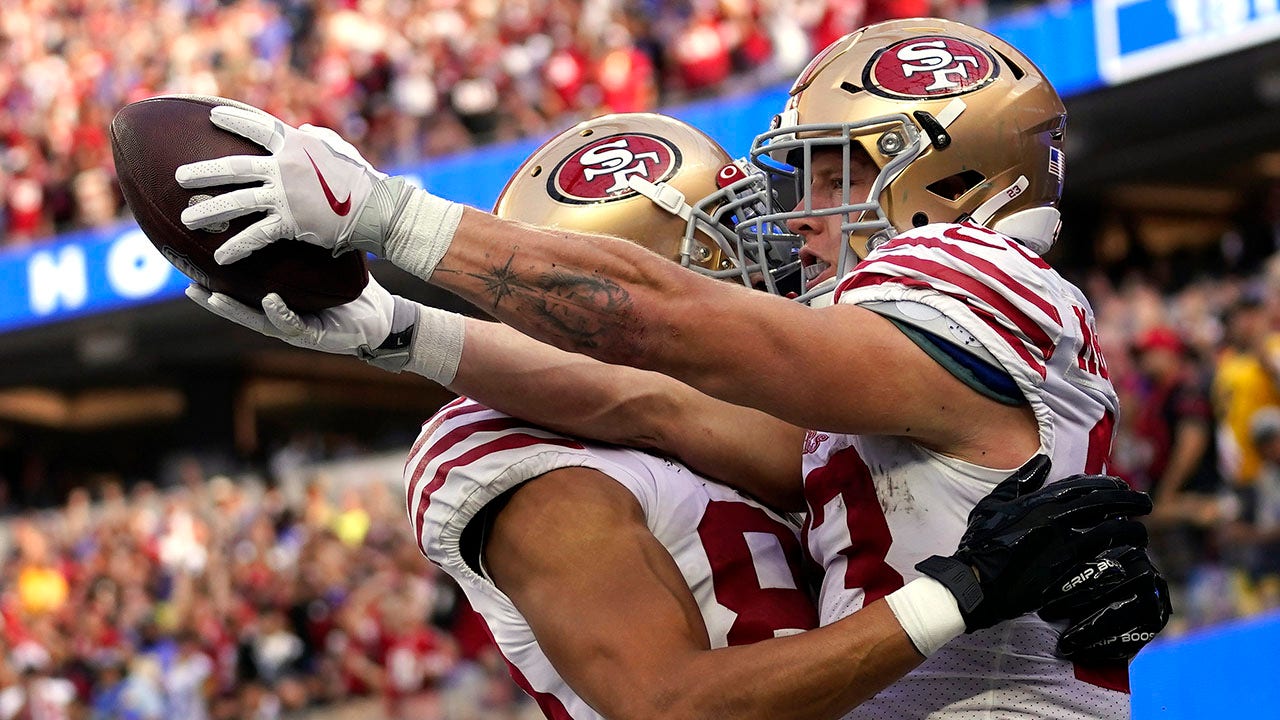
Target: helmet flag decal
600, 170
1056, 163
932, 66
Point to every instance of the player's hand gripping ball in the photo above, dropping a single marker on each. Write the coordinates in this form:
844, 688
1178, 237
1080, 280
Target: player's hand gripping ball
150, 139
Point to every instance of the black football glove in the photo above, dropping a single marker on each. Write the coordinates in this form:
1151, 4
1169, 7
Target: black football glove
1115, 604
1022, 538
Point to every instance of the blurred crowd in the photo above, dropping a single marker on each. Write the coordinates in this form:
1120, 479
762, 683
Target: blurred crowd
402, 79
1193, 345
215, 599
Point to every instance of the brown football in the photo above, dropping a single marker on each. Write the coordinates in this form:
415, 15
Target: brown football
150, 139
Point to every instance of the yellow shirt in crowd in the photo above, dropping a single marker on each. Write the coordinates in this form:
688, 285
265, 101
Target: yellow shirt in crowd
1242, 385
41, 589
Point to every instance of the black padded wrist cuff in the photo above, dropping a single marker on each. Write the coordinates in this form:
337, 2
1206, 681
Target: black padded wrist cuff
957, 577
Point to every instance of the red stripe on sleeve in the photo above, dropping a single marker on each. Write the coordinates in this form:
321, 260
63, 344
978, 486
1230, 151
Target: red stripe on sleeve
510, 441
992, 271
907, 240
973, 287
1008, 242
1019, 347
450, 411
861, 278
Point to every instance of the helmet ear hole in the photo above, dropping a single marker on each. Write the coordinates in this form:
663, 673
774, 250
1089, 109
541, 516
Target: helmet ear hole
954, 187
919, 220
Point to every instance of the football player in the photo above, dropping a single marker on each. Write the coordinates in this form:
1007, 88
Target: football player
952, 353
592, 562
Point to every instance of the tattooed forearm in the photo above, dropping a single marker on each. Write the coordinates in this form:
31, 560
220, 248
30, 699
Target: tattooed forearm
585, 308
580, 310
500, 282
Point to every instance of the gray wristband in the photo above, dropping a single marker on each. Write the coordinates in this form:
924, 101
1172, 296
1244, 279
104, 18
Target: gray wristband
394, 352
377, 217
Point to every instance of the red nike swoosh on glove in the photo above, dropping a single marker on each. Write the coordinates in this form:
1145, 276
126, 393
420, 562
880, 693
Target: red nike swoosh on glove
342, 208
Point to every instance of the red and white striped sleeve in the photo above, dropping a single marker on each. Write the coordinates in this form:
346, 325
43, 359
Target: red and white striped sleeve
998, 290
466, 456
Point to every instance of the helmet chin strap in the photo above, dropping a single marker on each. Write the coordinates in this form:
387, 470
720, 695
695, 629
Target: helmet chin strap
673, 201
662, 195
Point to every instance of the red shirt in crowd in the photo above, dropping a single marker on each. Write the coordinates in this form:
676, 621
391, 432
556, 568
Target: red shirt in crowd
626, 80
702, 55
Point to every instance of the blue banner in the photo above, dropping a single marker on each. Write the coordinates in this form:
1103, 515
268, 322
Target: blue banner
1226, 671
1059, 39
83, 273
1137, 38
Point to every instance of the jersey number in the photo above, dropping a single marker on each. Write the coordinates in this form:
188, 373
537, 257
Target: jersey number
842, 491
755, 570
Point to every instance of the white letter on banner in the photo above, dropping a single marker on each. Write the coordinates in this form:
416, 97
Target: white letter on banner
54, 279
1188, 16
135, 269
1227, 16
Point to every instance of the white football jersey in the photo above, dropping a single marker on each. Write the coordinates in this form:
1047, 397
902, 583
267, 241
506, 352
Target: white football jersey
740, 559
879, 504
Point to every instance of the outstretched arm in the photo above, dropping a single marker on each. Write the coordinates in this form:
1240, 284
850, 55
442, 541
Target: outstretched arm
841, 369
567, 392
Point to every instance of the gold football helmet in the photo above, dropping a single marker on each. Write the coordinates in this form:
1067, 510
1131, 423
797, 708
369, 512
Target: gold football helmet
656, 181
962, 126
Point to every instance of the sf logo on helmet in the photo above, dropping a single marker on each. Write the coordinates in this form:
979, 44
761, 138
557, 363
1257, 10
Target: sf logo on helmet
601, 171
932, 56
929, 67
617, 161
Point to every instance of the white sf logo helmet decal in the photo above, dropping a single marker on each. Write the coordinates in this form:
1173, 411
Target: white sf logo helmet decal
932, 56
616, 159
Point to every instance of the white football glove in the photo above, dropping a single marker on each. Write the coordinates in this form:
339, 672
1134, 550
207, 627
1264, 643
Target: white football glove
306, 178
315, 187
376, 327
